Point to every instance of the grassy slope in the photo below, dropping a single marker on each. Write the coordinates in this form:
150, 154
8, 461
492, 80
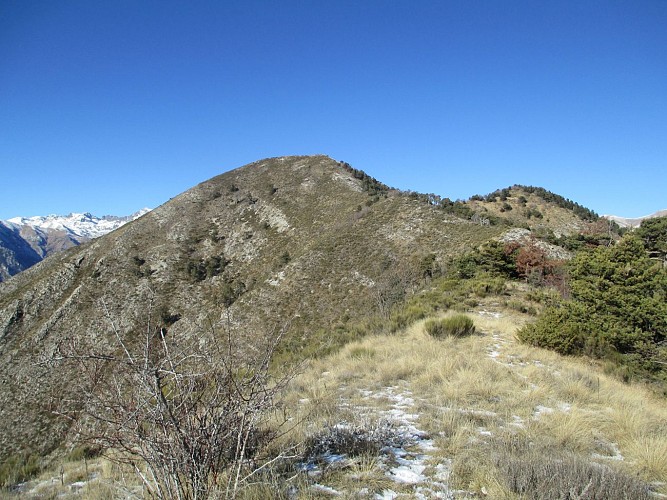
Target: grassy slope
473, 395
491, 409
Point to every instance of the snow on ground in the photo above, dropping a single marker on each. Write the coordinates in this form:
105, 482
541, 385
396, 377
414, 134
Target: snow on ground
411, 464
409, 460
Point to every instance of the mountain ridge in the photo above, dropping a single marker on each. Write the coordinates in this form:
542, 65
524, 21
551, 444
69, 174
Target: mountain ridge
298, 240
304, 241
24, 241
78, 224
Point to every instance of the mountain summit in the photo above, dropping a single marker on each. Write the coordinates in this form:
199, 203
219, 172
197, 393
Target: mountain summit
305, 244
304, 240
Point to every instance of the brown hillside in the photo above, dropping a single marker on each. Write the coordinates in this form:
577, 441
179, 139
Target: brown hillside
298, 240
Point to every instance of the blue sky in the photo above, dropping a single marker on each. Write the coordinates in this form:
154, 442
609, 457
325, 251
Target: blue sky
108, 107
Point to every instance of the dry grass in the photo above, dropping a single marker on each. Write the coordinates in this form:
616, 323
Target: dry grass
95, 479
503, 417
471, 390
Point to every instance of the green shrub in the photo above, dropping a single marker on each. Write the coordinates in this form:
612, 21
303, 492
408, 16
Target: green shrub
522, 307
18, 468
284, 258
466, 267
562, 329
616, 311
459, 325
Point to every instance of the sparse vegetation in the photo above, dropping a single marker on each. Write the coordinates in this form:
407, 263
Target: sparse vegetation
187, 412
199, 270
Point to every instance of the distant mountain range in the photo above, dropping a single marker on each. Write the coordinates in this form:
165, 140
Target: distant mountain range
628, 222
24, 241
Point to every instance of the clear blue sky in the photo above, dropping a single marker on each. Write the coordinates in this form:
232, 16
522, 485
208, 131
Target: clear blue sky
110, 106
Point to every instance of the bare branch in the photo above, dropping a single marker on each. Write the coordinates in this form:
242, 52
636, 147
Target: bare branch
190, 409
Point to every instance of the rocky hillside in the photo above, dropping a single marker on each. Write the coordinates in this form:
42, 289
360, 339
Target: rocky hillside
301, 240
305, 244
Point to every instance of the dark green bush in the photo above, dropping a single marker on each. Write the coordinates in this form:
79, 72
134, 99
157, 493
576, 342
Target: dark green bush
616, 311
485, 287
562, 329
459, 325
284, 258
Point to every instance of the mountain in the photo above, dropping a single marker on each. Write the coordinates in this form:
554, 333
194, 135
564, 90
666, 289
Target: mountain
302, 243
636, 222
78, 225
360, 278
24, 241
304, 240
536, 208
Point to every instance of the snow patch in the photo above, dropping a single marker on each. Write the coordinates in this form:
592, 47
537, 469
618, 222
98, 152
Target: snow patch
277, 279
409, 471
320, 488
541, 410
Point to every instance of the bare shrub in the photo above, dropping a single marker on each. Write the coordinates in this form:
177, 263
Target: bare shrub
393, 288
352, 440
189, 413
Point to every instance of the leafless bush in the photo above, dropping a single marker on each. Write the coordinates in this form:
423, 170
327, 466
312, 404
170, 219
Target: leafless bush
188, 412
393, 289
352, 440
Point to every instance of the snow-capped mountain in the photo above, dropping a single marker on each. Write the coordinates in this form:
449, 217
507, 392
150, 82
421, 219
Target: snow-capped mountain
24, 241
80, 225
627, 222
